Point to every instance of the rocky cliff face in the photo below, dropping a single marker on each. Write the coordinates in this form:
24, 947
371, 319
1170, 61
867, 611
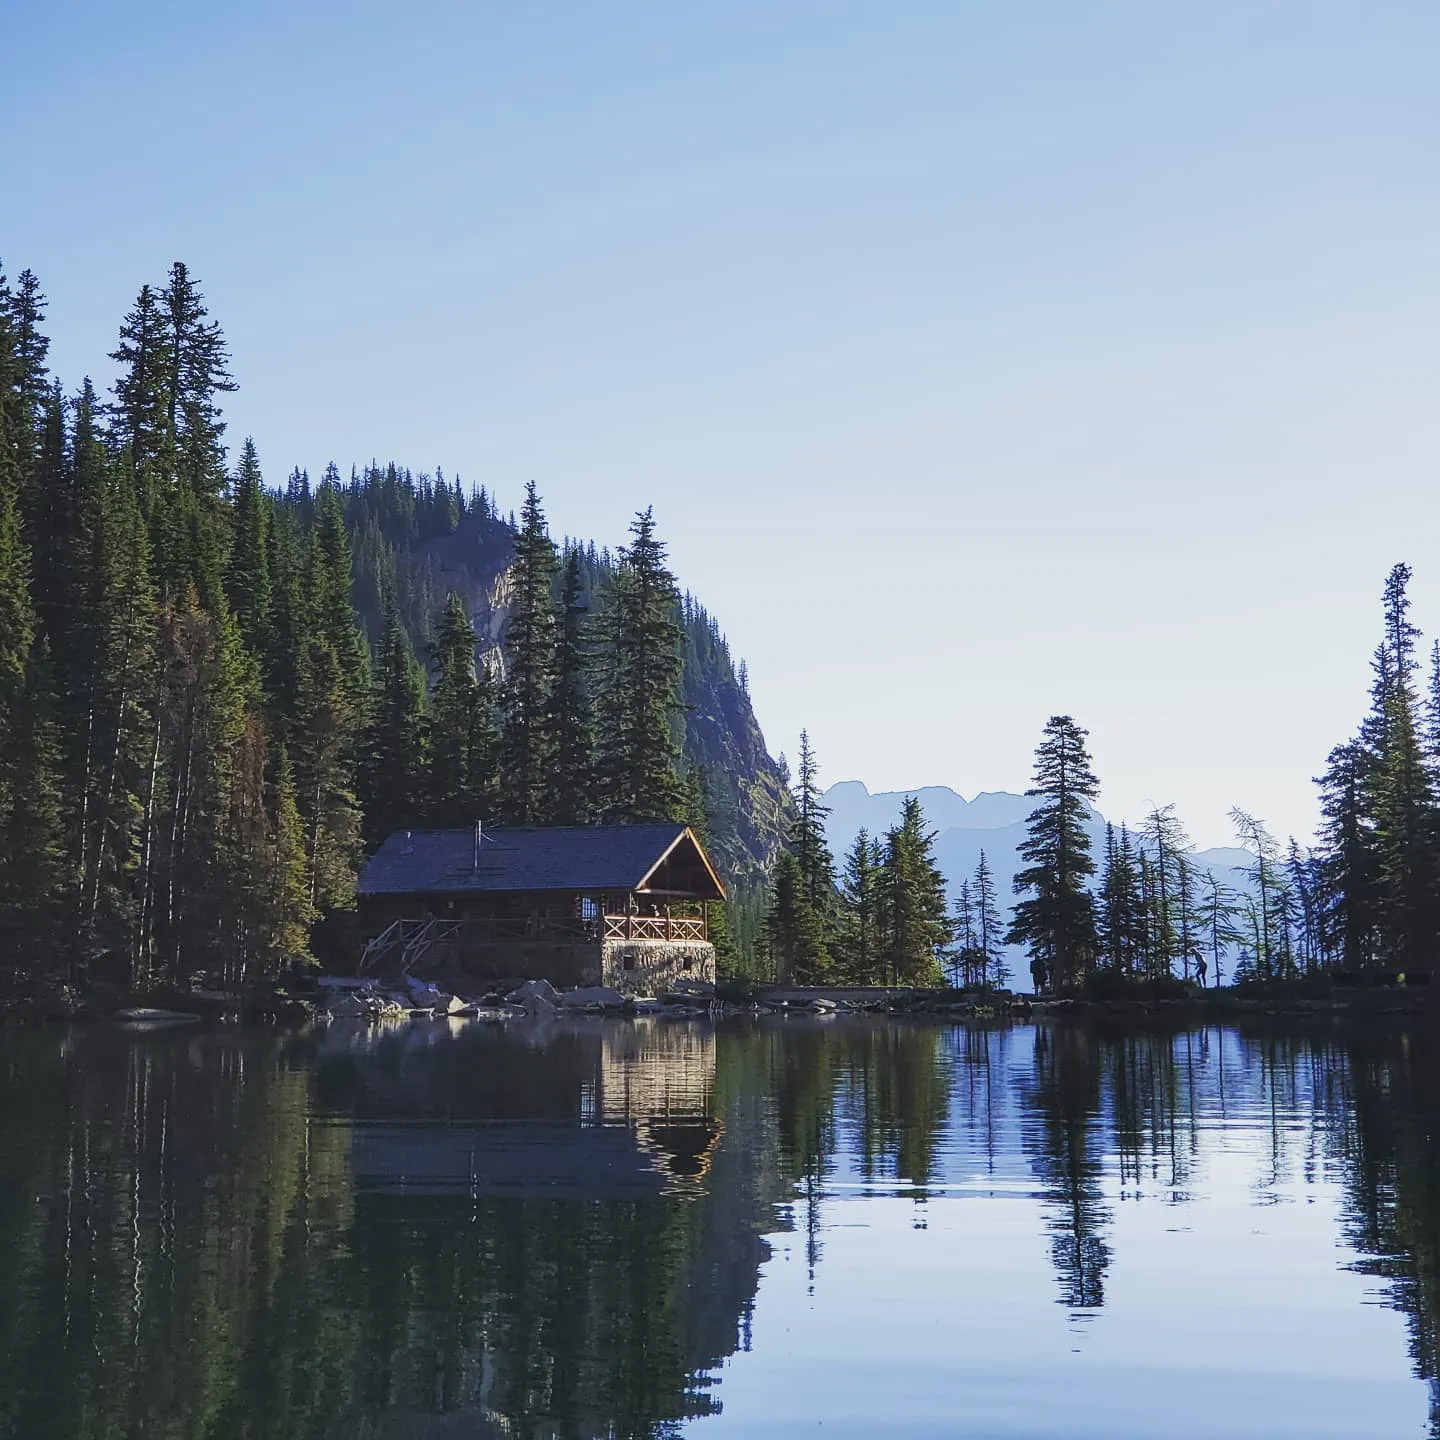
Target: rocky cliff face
716, 732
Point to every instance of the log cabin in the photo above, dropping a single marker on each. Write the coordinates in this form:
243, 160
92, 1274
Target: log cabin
618, 905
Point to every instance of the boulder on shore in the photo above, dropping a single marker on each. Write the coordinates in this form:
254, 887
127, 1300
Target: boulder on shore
593, 997
534, 995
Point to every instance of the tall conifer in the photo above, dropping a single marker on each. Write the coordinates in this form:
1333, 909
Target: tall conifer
1056, 920
530, 651
571, 779
914, 916
247, 576
990, 932
858, 940
393, 762
462, 730
639, 696
807, 833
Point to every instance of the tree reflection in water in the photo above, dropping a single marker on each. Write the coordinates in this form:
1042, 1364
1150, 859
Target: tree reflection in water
437, 1232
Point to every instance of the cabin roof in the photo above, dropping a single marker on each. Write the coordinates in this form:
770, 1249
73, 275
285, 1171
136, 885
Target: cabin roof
524, 860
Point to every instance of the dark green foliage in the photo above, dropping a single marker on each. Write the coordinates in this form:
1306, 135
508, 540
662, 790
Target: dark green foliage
989, 932
639, 692
807, 833
794, 931
331, 613
858, 942
530, 655
462, 730
392, 768
322, 736
914, 920
1349, 867
1371, 899
1124, 934
17, 615
1056, 920
571, 778
1264, 908
193, 751
197, 363
247, 577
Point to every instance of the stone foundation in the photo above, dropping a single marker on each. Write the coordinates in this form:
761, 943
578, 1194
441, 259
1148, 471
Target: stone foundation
647, 967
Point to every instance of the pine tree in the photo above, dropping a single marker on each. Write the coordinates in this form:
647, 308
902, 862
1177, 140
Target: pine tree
858, 940
211, 913
27, 314
392, 777
29, 842
17, 616
990, 933
1219, 906
331, 613
322, 741
118, 751
1349, 878
571, 744
247, 576
196, 371
807, 834
966, 965
32, 857
462, 733
1397, 812
530, 648
1057, 921
290, 616
1265, 908
138, 417
915, 921
1303, 874
292, 911
794, 932
640, 684
49, 520
1168, 848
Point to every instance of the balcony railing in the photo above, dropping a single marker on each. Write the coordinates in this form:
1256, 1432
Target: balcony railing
654, 927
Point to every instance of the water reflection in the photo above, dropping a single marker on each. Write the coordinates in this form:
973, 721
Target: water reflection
464, 1231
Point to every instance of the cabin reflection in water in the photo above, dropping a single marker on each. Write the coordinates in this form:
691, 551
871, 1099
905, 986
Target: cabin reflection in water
557, 1233
639, 1125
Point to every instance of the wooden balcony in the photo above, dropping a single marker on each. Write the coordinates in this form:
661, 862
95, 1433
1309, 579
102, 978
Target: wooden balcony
655, 927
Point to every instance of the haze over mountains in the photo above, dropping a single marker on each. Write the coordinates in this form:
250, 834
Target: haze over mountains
994, 821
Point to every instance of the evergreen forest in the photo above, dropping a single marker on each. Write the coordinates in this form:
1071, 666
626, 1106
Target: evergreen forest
217, 694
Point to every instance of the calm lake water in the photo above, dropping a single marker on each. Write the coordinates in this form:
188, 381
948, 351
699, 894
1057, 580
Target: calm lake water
664, 1228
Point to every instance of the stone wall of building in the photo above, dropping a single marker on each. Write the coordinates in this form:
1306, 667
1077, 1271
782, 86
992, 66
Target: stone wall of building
646, 967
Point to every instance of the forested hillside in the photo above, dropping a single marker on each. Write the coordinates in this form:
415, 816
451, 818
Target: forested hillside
216, 694
420, 539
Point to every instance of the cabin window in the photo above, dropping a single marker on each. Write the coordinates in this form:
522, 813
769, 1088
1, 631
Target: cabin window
589, 908
628, 963
687, 964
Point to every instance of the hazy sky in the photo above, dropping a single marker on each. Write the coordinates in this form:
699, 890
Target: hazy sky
981, 361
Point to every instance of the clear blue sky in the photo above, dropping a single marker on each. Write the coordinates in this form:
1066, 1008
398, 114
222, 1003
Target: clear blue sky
980, 360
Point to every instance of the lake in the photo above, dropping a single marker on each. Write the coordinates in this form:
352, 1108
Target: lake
806, 1226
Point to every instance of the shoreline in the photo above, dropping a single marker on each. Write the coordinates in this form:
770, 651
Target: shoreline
300, 1005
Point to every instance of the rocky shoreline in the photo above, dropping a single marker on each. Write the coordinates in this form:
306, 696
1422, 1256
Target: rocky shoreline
323, 999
